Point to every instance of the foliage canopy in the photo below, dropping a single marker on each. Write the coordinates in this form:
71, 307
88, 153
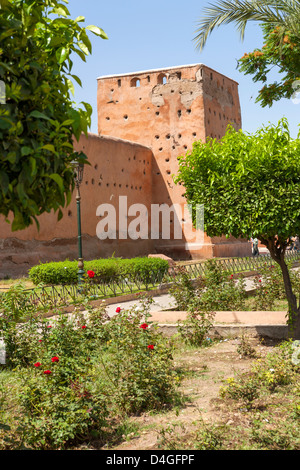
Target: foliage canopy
249, 184
39, 120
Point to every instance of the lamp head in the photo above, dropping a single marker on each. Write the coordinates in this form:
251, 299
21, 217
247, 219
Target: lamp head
78, 171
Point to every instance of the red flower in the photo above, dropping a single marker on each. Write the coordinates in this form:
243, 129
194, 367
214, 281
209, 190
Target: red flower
144, 326
49, 326
55, 359
37, 364
259, 280
47, 372
118, 309
150, 346
40, 340
90, 274
83, 327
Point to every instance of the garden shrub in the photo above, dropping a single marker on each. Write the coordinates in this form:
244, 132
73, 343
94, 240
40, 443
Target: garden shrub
138, 363
59, 400
145, 270
78, 372
269, 285
216, 290
195, 328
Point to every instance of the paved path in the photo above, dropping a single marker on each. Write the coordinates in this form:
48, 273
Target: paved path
166, 301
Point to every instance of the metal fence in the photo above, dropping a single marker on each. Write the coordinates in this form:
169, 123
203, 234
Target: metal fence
54, 296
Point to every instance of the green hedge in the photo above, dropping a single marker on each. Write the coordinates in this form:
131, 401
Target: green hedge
146, 270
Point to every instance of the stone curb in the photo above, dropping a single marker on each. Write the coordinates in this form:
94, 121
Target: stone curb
217, 331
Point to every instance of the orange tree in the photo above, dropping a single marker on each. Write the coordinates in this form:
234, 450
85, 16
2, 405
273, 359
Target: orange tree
38, 119
250, 186
281, 49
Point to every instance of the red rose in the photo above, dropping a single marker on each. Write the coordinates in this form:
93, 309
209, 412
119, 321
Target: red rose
37, 364
55, 359
47, 372
90, 274
83, 327
150, 346
259, 280
144, 326
118, 309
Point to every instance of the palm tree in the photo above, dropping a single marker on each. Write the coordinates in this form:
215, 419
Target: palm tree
284, 14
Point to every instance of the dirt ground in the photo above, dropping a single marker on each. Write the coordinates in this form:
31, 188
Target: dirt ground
206, 369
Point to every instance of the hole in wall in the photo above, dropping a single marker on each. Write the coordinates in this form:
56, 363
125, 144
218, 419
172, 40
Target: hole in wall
161, 79
135, 82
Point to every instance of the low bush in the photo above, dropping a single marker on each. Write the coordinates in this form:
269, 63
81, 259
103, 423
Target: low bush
216, 290
137, 363
144, 270
78, 373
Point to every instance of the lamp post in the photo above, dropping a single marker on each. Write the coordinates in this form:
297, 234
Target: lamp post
78, 175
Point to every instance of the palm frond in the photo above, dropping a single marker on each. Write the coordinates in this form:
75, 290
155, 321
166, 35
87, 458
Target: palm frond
274, 12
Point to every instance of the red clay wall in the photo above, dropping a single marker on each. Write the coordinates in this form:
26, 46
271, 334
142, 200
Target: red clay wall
118, 168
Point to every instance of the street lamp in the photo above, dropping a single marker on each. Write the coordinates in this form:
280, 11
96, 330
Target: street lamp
78, 175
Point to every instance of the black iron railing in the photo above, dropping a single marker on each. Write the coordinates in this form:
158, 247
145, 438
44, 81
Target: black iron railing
54, 296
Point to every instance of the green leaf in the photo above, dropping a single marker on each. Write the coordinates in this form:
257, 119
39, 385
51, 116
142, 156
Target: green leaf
98, 31
71, 86
4, 182
49, 147
62, 53
58, 179
26, 151
79, 19
83, 48
38, 115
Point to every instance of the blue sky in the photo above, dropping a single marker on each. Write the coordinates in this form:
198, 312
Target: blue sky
153, 34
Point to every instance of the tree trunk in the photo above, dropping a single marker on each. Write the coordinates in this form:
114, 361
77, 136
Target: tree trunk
277, 253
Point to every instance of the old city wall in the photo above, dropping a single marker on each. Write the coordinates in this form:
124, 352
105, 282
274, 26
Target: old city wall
167, 110
117, 168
